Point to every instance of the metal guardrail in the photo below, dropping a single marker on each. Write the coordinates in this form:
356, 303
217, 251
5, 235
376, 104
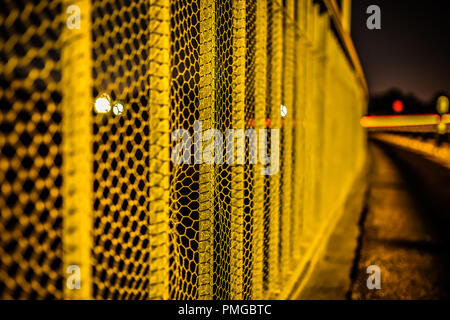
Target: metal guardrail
344, 36
400, 121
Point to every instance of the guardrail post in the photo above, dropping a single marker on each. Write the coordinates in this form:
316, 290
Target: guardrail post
207, 116
159, 73
77, 151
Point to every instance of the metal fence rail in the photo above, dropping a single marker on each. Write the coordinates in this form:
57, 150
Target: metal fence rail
100, 191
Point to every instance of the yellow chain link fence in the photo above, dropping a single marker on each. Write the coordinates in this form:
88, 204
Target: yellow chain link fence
100, 192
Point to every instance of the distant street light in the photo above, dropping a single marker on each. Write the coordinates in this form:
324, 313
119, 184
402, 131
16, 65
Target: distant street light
442, 109
442, 105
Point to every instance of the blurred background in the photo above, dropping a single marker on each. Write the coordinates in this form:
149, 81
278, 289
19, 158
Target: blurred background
408, 59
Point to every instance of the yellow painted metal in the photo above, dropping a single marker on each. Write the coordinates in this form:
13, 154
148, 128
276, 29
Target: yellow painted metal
101, 191
310, 135
286, 140
259, 86
272, 196
159, 148
349, 47
399, 121
76, 61
346, 14
206, 184
237, 171
298, 176
31, 151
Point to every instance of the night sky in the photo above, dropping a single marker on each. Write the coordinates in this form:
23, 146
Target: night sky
411, 52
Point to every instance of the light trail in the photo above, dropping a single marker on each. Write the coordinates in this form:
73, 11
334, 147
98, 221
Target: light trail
401, 121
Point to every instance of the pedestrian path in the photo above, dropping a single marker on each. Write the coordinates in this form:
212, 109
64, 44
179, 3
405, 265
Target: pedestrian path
403, 231
400, 234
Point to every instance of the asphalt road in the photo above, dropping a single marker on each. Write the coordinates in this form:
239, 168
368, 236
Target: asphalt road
405, 229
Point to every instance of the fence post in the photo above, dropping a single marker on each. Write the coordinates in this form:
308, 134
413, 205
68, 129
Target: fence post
206, 185
159, 75
237, 170
77, 133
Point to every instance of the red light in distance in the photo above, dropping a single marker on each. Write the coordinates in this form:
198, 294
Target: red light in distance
397, 106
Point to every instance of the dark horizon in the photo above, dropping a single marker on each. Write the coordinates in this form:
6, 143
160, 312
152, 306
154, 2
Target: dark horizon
411, 51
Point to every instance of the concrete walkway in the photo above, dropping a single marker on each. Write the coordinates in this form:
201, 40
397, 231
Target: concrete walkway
404, 231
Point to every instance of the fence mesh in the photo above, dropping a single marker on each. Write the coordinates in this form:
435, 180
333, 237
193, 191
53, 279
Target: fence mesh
106, 192
31, 153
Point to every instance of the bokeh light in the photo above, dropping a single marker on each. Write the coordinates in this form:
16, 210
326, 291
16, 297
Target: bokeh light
103, 104
283, 111
118, 108
442, 105
397, 106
